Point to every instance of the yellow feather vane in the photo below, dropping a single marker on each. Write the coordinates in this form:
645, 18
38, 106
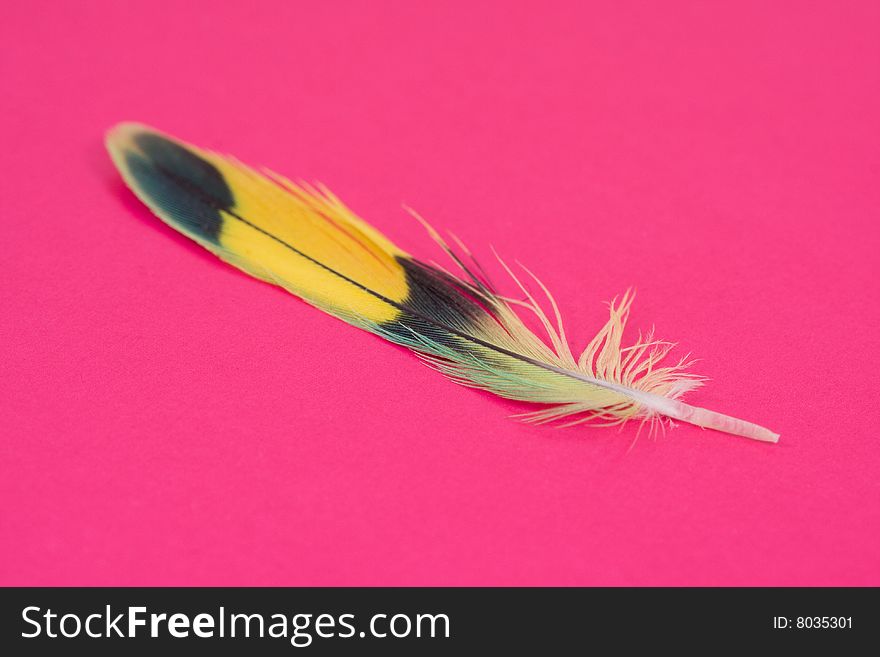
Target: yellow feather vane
305, 240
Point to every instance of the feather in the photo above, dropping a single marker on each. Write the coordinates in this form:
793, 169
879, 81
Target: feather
307, 241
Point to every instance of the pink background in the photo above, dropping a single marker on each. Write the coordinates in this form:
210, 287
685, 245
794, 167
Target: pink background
167, 420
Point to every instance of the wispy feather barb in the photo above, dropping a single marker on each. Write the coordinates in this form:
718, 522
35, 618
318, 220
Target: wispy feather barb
307, 241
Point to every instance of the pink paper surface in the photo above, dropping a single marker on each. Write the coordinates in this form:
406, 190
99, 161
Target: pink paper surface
168, 420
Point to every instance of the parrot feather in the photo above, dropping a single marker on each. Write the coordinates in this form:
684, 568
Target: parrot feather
304, 239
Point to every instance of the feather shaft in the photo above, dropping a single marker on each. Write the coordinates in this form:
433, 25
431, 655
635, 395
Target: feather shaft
672, 408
